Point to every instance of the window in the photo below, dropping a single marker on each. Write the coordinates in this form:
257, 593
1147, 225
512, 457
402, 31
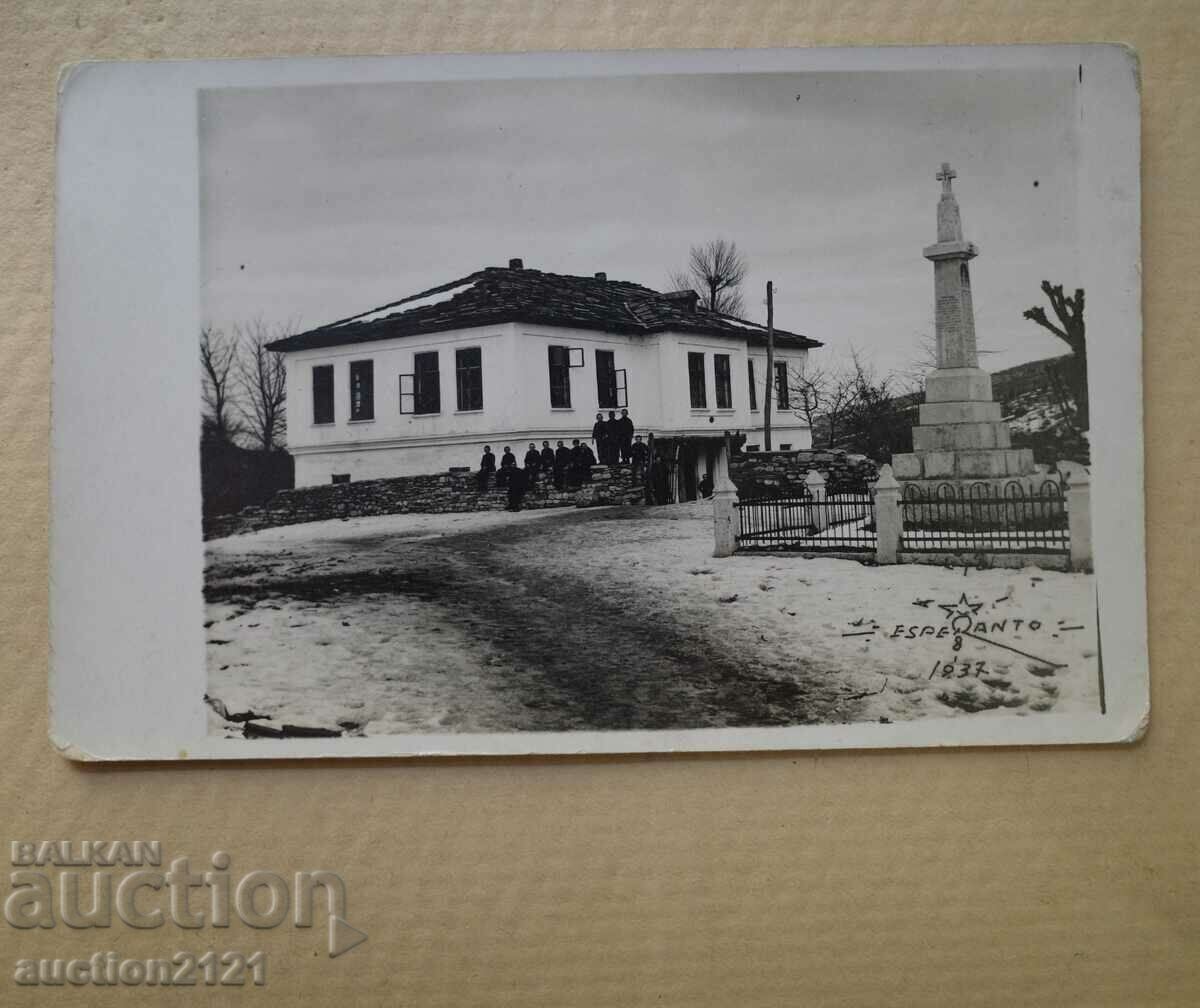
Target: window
785, 447
362, 390
322, 393
340, 478
724, 387
781, 385
468, 366
753, 390
427, 390
696, 380
606, 379
560, 377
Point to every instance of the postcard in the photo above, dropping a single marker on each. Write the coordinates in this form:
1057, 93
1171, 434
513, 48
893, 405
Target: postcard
581, 403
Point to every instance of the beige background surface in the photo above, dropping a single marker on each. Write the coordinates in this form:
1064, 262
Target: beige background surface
1029, 877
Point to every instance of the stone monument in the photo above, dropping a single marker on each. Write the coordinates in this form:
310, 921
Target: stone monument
961, 437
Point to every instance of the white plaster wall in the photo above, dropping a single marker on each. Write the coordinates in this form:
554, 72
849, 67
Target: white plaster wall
786, 426
516, 399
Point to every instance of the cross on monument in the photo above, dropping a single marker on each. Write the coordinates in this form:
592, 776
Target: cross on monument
945, 175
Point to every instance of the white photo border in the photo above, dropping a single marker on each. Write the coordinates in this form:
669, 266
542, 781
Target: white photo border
127, 555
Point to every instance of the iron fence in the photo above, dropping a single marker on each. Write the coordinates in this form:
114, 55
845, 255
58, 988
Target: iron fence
983, 517
841, 523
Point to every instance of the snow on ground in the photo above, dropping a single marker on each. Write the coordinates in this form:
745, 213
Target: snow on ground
621, 617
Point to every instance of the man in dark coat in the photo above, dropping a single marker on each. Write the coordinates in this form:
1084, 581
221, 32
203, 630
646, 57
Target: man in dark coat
582, 461
562, 464
638, 454
508, 462
600, 435
612, 432
487, 466
518, 481
625, 436
547, 465
533, 462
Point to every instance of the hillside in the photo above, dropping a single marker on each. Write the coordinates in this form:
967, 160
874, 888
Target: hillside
1031, 408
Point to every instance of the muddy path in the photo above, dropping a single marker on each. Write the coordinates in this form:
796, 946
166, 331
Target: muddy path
579, 654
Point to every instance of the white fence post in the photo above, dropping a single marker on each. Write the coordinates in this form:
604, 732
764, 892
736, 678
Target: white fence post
724, 500
1079, 520
814, 482
889, 521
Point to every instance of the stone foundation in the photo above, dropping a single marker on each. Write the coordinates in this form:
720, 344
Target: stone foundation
451, 492
757, 474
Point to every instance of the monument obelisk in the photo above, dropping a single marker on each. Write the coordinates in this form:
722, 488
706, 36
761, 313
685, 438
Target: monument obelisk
961, 436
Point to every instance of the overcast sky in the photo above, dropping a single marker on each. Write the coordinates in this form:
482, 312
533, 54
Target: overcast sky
319, 203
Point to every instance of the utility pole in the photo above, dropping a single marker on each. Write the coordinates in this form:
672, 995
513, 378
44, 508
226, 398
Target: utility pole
770, 383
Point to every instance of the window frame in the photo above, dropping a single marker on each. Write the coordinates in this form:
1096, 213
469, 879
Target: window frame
331, 390
697, 380
473, 386
723, 381
362, 409
606, 380
563, 368
419, 392
782, 396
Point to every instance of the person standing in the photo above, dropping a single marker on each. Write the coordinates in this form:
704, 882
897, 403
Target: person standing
625, 436
582, 461
508, 462
562, 465
518, 481
611, 432
533, 462
638, 453
487, 466
600, 435
547, 463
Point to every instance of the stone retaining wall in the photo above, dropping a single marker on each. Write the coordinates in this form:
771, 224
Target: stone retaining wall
443, 493
764, 473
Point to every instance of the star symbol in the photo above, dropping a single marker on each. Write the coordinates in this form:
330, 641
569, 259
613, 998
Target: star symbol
962, 607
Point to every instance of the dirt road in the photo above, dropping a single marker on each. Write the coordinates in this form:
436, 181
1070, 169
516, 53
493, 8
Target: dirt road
566, 650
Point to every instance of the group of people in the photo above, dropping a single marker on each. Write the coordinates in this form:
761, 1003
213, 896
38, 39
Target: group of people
569, 467
614, 438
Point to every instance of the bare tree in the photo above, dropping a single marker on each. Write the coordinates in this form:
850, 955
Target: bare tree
821, 398
715, 271
218, 359
262, 378
875, 424
1070, 329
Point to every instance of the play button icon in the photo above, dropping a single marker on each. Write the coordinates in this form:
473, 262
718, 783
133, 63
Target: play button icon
343, 937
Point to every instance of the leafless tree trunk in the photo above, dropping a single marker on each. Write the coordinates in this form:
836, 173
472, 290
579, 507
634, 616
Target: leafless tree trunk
821, 398
1071, 330
218, 359
263, 380
715, 271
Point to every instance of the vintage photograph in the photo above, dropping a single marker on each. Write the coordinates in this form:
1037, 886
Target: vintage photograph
688, 401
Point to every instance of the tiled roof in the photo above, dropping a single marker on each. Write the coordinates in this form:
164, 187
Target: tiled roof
497, 294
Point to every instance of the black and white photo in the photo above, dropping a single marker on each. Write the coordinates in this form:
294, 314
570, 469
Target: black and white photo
665, 405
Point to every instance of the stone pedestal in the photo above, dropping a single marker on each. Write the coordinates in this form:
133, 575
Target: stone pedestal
961, 436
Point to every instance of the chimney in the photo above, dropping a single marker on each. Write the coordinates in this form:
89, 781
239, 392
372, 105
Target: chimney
602, 277
515, 264
685, 299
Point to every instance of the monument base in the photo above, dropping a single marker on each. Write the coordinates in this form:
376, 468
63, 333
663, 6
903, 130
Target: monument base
963, 465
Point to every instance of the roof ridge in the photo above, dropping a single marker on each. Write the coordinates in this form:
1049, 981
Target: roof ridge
395, 304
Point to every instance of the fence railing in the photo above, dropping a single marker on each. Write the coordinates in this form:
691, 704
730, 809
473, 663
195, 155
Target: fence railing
1014, 517
1049, 518
808, 520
